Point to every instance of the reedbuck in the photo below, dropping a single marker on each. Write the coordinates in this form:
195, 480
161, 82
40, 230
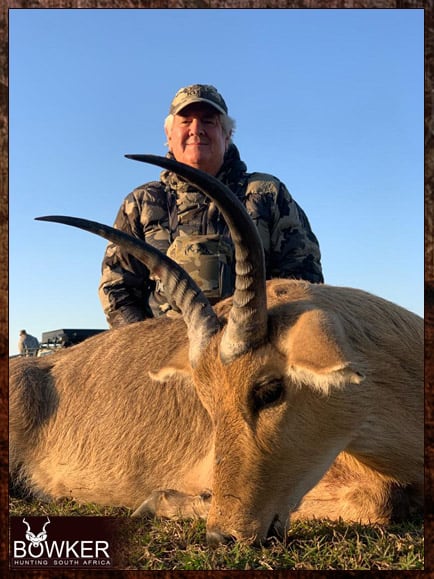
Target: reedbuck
288, 400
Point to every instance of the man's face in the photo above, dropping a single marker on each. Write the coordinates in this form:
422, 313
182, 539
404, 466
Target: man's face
198, 139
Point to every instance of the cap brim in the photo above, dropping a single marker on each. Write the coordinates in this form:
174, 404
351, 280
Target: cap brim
179, 108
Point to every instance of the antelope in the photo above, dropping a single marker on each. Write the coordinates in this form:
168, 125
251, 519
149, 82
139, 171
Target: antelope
287, 401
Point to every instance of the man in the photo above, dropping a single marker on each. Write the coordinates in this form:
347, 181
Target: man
27, 345
180, 221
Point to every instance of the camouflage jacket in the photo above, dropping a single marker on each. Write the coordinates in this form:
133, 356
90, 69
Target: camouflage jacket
159, 211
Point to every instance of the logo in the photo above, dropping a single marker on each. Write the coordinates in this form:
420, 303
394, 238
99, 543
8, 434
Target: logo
35, 540
77, 542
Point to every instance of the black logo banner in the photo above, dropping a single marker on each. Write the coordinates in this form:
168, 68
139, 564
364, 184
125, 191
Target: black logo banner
65, 542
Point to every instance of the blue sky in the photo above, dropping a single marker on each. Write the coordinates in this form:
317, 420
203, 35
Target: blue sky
330, 101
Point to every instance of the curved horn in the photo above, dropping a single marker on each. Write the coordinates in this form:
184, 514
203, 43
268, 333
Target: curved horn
47, 523
184, 294
247, 322
28, 526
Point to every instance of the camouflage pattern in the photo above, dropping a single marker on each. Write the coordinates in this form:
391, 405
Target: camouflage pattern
206, 258
291, 248
161, 212
198, 93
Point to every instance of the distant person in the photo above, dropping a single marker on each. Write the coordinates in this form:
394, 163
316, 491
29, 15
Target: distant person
27, 345
175, 217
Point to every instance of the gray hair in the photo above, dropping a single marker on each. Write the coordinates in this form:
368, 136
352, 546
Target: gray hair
227, 123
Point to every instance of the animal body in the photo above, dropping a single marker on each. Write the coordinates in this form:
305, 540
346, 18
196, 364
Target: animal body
288, 400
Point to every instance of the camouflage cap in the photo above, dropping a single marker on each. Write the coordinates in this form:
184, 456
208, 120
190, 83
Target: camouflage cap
198, 93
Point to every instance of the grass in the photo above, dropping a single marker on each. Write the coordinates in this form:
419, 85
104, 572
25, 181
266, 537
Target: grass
175, 545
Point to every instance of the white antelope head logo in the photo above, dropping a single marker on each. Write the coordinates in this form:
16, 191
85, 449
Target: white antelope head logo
36, 539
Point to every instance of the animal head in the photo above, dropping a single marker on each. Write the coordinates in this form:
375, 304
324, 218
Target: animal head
271, 375
36, 539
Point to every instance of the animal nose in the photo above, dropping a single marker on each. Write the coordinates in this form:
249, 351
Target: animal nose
215, 538
276, 529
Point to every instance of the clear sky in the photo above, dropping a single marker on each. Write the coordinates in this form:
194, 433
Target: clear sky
330, 101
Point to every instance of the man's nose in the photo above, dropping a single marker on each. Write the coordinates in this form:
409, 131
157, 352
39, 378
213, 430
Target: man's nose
197, 127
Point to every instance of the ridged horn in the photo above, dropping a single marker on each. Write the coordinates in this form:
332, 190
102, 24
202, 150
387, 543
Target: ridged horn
247, 322
183, 293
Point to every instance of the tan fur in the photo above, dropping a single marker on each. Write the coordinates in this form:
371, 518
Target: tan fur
122, 416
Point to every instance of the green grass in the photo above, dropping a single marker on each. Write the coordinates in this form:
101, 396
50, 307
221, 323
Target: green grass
162, 545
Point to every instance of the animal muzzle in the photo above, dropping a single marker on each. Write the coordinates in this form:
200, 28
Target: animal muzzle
216, 536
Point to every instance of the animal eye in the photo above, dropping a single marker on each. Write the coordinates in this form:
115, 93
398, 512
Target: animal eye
267, 393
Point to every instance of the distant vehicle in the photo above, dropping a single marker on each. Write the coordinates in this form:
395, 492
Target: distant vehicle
57, 339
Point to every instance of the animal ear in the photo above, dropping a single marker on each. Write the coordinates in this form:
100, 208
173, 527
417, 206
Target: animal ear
178, 365
319, 353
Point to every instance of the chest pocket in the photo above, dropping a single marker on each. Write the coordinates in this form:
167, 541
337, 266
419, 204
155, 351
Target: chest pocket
209, 260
